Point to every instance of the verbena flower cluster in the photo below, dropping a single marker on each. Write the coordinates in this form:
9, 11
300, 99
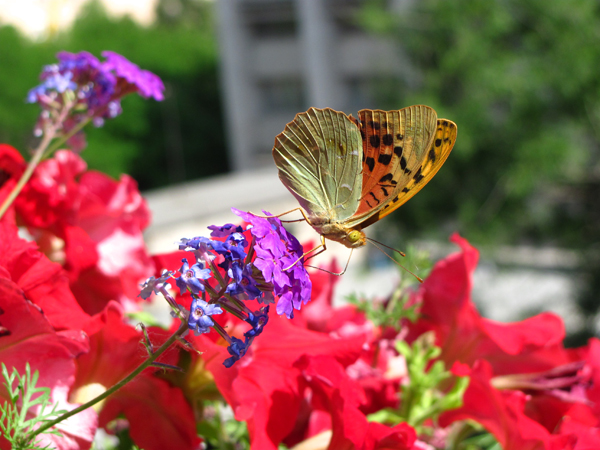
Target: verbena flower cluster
80, 87
262, 262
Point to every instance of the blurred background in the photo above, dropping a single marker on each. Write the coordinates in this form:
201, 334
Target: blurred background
521, 78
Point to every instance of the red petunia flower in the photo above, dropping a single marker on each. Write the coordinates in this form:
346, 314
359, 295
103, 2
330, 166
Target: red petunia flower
264, 388
339, 395
26, 336
43, 282
516, 367
157, 413
99, 220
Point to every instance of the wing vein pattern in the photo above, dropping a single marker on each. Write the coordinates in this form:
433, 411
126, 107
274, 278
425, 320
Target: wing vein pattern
407, 148
319, 156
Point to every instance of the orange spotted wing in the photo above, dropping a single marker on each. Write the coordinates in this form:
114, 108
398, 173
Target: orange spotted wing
402, 151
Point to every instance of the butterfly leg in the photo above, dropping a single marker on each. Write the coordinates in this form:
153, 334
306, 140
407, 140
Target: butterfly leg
334, 273
321, 247
304, 219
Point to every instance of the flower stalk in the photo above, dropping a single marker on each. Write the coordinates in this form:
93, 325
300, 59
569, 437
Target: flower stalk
153, 357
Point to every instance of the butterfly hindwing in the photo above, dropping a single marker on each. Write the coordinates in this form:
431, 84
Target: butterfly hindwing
319, 157
422, 169
394, 143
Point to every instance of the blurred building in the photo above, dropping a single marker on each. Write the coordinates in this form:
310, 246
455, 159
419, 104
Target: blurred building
279, 57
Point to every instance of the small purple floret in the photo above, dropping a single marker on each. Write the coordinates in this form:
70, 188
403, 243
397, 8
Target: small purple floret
237, 349
146, 83
156, 285
258, 320
243, 284
224, 230
199, 320
191, 276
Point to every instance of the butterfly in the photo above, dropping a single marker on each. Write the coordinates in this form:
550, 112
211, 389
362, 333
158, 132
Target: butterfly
348, 173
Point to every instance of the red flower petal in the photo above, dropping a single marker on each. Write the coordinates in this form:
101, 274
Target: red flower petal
341, 396
267, 390
45, 283
27, 337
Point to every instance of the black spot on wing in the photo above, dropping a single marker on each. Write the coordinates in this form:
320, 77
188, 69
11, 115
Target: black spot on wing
403, 163
384, 159
386, 177
432, 155
370, 162
374, 198
387, 139
384, 190
418, 177
374, 141
374, 125
398, 151
438, 142
399, 137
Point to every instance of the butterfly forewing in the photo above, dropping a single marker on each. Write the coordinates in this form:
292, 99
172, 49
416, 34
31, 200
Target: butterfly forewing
395, 144
421, 170
319, 160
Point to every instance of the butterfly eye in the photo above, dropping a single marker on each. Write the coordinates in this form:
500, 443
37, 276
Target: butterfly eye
354, 236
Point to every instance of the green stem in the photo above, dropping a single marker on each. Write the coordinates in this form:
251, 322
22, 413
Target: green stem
58, 143
37, 156
119, 385
40, 152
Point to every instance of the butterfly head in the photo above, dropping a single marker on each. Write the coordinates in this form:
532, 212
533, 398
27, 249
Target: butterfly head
356, 238
350, 237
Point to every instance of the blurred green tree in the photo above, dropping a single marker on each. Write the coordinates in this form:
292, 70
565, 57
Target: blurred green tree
521, 80
179, 139
22, 61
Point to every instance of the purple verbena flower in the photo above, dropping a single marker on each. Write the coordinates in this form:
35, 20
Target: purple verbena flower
244, 285
237, 349
143, 81
279, 257
277, 270
156, 285
88, 89
258, 320
191, 276
225, 230
200, 243
200, 311
81, 64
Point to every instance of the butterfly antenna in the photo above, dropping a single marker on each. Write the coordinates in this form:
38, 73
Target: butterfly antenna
395, 262
386, 246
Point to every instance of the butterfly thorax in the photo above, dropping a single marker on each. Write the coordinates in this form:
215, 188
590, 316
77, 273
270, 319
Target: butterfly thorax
338, 232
